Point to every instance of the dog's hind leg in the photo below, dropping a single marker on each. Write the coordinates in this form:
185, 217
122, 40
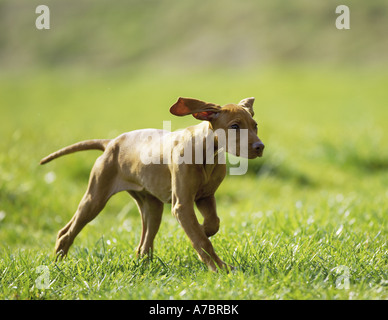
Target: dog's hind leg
99, 190
151, 210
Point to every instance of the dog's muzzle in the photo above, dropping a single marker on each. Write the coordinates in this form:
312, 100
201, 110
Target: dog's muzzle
258, 147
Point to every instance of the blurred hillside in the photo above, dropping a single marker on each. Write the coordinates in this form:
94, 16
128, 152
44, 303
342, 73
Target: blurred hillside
129, 34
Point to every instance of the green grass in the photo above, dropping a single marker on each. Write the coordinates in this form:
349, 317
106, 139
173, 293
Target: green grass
316, 201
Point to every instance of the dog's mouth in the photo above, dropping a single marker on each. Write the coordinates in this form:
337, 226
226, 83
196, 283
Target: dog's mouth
251, 155
255, 154
248, 154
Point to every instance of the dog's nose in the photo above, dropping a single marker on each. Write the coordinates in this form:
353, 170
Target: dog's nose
258, 146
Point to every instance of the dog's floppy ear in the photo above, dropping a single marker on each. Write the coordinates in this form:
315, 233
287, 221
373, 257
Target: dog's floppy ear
247, 104
200, 110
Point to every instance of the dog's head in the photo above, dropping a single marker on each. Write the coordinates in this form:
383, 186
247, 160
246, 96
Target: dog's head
236, 120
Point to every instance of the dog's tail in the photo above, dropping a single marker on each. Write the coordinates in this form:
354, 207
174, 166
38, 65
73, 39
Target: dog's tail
97, 144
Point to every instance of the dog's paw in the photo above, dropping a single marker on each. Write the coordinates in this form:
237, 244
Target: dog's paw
224, 267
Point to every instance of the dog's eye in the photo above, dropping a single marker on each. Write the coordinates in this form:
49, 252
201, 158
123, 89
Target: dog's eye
235, 126
256, 127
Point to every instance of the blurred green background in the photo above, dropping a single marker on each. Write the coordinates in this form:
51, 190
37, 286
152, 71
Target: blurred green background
130, 35
112, 66
107, 67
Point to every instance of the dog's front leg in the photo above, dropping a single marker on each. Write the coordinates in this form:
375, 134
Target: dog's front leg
184, 212
183, 209
211, 222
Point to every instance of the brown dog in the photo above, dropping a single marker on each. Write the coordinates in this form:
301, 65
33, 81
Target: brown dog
157, 166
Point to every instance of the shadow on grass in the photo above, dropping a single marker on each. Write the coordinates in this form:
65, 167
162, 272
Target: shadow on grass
368, 158
280, 171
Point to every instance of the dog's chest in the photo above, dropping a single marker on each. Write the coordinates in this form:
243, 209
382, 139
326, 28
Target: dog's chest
212, 180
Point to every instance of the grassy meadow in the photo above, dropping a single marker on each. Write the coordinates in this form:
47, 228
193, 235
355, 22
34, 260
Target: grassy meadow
308, 220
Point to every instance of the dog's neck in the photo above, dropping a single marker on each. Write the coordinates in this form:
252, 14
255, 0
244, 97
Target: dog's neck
204, 133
